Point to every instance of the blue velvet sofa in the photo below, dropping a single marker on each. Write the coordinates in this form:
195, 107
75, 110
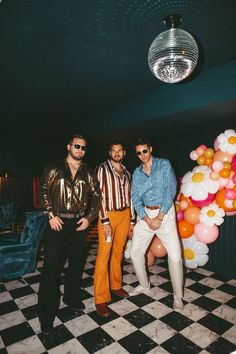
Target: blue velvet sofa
18, 252
8, 215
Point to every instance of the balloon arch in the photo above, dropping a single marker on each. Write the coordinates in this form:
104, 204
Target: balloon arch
207, 194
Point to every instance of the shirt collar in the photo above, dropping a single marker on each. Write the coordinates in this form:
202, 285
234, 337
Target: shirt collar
154, 162
113, 168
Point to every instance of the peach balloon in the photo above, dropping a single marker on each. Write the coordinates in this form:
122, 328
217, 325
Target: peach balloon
157, 248
150, 258
183, 204
214, 176
222, 156
191, 215
200, 151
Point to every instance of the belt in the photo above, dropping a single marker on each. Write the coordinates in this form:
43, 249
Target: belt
72, 215
152, 207
121, 209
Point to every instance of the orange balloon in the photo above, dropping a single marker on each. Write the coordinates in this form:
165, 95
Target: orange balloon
185, 229
220, 200
222, 156
208, 161
183, 197
225, 173
177, 207
191, 215
157, 248
150, 258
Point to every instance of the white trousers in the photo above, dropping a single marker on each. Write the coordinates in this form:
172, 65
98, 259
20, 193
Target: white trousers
168, 234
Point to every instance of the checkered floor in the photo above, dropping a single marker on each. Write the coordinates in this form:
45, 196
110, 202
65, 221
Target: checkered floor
140, 324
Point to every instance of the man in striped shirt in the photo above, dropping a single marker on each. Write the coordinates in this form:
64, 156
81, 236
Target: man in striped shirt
116, 220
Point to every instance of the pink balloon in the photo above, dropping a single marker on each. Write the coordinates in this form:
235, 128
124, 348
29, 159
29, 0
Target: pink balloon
216, 144
234, 178
230, 185
228, 203
217, 166
193, 155
202, 203
180, 215
206, 234
230, 194
223, 182
233, 163
204, 147
230, 213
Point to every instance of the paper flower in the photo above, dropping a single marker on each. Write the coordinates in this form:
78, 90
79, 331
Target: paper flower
227, 141
212, 215
195, 252
197, 183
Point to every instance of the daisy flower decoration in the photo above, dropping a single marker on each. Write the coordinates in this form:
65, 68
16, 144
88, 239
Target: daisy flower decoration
194, 252
212, 215
197, 183
227, 141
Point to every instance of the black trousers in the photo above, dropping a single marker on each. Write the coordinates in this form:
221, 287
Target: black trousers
55, 243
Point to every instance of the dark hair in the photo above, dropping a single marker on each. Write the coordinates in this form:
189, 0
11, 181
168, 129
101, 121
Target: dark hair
143, 141
77, 136
116, 142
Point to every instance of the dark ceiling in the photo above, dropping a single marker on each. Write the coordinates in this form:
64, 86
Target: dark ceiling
65, 63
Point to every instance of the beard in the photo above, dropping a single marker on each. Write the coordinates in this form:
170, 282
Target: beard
117, 159
75, 157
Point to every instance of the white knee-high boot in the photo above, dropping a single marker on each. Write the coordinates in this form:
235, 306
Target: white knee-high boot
176, 276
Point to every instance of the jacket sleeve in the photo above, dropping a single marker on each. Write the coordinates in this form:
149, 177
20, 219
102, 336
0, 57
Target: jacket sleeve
47, 178
95, 197
136, 198
103, 215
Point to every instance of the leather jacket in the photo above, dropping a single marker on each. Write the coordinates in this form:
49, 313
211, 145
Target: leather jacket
60, 193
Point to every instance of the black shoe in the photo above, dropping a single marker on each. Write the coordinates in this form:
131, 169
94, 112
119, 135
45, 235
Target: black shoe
46, 329
77, 308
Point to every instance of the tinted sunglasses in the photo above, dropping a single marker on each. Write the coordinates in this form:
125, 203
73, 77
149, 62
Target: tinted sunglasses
78, 146
142, 152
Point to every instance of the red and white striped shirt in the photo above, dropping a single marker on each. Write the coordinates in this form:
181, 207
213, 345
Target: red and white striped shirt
116, 191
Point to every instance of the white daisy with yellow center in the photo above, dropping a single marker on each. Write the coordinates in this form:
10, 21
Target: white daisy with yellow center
194, 252
212, 215
197, 183
227, 141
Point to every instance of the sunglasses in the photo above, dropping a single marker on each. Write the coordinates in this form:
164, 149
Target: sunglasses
142, 152
78, 146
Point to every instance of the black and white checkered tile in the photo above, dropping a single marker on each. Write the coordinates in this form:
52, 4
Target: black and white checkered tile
142, 324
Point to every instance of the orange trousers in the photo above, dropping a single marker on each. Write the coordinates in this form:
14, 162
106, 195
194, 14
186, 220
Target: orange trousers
105, 279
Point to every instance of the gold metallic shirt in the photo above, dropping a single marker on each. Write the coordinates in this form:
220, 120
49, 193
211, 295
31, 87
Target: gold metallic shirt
60, 193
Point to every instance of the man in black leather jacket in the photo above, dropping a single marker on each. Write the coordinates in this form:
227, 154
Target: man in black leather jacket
70, 196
